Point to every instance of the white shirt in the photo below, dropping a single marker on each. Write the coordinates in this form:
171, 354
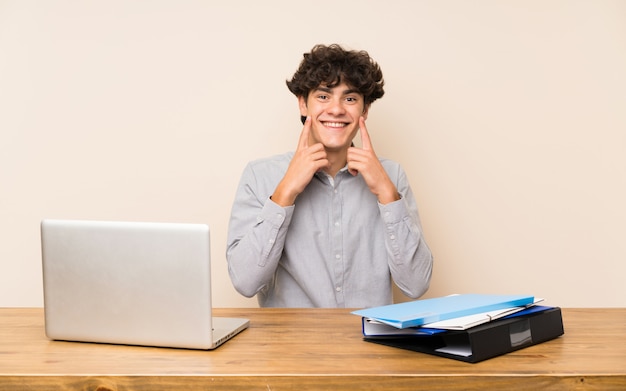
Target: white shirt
335, 247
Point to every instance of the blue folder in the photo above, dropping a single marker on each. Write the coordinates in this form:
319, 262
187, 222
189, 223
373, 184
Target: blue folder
419, 312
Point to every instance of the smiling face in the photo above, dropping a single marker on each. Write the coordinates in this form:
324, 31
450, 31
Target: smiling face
334, 115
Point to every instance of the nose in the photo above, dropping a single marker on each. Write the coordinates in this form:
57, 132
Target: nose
335, 107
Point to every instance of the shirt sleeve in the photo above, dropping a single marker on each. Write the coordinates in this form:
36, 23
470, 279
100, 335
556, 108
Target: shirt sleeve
410, 259
256, 236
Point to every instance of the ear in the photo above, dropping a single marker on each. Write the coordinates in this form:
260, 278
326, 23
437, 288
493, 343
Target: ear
302, 105
366, 110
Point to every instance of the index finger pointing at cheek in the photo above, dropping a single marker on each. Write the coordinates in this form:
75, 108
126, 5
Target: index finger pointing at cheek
366, 142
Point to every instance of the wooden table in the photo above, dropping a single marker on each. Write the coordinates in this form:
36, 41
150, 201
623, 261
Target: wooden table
306, 349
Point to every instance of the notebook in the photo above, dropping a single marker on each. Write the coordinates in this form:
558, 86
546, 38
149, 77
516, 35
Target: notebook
420, 312
131, 283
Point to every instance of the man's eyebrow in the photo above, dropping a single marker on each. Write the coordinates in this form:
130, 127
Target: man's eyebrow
323, 89
330, 90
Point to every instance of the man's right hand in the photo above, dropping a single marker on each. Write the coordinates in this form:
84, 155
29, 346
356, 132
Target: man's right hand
306, 161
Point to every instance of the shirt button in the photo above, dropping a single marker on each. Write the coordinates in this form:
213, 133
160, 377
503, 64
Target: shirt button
392, 237
338, 289
337, 256
336, 223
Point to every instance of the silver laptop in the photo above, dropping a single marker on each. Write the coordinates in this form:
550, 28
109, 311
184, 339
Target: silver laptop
131, 283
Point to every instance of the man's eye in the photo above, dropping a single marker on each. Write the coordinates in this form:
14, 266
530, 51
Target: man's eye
322, 97
351, 99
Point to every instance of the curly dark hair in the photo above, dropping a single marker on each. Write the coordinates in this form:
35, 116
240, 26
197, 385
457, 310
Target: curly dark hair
331, 65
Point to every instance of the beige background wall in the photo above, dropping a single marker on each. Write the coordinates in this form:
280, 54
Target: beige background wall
509, 117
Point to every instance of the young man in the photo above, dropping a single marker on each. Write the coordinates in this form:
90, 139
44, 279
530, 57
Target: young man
331, 224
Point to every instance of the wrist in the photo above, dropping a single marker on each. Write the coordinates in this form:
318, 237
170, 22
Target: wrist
389, 198
283, 197
387, 194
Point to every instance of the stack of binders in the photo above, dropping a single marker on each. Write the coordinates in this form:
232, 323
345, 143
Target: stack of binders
468, 327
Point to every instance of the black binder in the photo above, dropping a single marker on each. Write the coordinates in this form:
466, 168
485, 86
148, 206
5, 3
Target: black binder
485, 341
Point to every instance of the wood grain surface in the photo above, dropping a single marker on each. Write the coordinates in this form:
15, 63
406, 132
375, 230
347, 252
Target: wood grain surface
309, 349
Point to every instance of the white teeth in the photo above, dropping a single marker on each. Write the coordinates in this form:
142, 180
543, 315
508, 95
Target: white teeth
334, 124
